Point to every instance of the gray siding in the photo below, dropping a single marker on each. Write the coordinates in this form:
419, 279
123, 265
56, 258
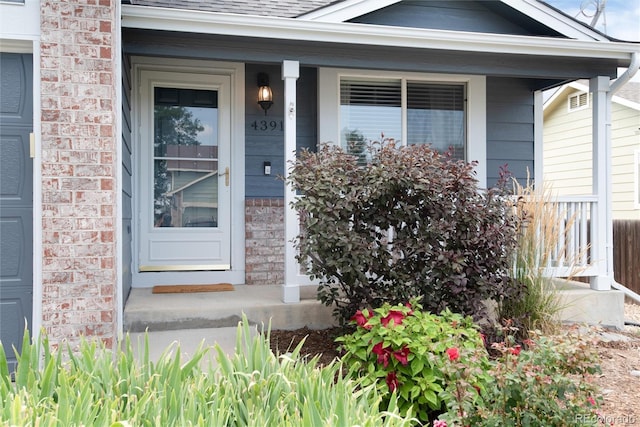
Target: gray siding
482, 17
264, 134
509, 128
127, 172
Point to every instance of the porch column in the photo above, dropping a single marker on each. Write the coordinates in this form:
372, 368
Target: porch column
601, 224
291, 288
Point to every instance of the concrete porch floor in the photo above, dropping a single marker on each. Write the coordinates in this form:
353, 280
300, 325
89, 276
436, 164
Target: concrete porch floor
212, 317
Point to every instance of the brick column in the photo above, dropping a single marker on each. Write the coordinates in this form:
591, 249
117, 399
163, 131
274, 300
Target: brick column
78, 94
264, 233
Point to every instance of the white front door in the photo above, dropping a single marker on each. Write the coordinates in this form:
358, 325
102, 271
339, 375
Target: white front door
184, 217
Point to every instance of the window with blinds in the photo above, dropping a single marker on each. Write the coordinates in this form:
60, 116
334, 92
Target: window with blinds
409, 112
435, 115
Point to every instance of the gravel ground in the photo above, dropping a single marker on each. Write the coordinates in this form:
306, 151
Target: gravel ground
619, 381
632, 313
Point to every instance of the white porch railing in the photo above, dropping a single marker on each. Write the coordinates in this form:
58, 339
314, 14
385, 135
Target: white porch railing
575, 253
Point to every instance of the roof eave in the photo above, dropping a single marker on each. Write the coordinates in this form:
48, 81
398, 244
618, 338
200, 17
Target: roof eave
189, 21
564, 90
556, 20
544, 13
342, 11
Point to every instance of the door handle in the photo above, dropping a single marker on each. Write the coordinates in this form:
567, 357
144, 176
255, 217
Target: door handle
226, 176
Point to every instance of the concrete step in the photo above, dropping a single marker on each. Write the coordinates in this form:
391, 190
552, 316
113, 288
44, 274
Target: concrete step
145, 311
579, 303
187, 341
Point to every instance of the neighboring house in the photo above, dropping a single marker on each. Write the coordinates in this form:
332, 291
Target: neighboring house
96, 82
568, 160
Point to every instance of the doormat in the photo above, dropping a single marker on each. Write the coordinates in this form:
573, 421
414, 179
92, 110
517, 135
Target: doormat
183, 289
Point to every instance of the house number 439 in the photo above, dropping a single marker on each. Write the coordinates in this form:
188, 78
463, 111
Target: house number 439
267, 125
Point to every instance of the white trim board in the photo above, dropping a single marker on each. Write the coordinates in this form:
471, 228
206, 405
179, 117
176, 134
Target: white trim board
346, 10
189, 21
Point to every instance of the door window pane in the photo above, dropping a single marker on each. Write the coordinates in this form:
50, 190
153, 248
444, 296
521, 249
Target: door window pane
185, 164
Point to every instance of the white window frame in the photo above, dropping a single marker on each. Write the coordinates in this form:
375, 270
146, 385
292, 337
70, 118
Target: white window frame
476, 115
577, 96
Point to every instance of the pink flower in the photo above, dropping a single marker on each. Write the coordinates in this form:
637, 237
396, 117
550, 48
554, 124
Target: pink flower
408, 305
383, 353
515, 350
439, 423
453, 353
392, 381
591, 400
361, 319
402, 355
394, 315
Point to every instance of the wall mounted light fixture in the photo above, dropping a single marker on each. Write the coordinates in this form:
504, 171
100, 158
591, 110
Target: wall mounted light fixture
265, 96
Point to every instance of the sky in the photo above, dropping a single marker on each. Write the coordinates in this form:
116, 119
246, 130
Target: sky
621, 18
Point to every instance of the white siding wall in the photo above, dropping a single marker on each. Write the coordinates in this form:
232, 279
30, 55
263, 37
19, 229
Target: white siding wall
568, 153
567, 149
626, 140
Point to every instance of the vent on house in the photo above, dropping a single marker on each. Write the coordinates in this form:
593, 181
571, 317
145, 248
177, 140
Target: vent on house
578, 101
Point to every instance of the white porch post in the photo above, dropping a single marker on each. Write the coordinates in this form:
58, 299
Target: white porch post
601, 225
290, 289
538, 141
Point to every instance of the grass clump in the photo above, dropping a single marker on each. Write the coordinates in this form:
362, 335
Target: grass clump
539, 245
253, 387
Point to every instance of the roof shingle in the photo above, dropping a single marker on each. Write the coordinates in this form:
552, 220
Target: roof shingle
278, 8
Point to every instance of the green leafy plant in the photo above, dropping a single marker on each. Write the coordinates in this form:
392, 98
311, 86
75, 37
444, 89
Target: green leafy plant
404, 351
544, 382
253, 387
410, 223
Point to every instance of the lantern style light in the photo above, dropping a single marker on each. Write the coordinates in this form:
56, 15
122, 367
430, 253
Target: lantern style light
265, 96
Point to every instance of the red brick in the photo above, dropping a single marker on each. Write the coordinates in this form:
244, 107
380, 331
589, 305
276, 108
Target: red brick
106, 130
105, 52
105, 26
106, 184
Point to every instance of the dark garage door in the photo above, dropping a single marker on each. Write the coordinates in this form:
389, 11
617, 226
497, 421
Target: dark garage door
16, 199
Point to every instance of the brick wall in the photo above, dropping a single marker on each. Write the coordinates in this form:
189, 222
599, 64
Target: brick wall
78, 168
264, 223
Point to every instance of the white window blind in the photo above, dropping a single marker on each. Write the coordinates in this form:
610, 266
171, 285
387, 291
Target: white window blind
369, 109
434, 113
